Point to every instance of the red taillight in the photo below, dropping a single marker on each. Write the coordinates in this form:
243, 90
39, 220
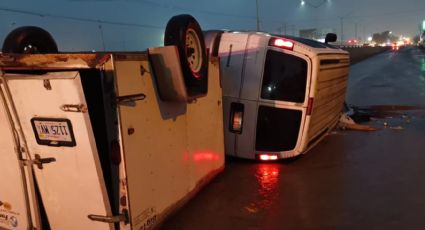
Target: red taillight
282, 43
310, 106
236, 117
237, 122
268, 157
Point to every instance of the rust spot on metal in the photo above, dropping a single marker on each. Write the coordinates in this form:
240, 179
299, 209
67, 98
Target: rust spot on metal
130, 131
123, 201
104, 59
142, 70
50, 61
47, 85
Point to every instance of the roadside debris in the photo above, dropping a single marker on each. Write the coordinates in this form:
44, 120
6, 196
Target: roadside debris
397, 128
353, 115
346, 122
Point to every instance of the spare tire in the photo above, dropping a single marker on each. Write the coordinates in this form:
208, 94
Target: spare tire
29, 39
184, 32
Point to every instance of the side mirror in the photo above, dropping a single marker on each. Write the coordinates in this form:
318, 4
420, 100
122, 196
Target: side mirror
330, 37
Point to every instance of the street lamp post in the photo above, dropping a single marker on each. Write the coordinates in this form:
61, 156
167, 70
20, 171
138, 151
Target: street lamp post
342, 24
101, 36
258, 17
315, 4
342, 29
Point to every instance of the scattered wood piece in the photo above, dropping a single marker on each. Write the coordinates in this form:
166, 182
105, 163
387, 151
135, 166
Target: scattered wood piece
345, 122
396, 128
359, 127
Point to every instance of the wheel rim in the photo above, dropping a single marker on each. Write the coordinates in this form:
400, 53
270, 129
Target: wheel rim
30, 49
193, 50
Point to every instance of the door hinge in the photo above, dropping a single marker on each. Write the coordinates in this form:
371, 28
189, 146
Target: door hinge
123, 217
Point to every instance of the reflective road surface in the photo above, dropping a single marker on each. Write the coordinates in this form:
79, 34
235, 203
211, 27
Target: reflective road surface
351, 180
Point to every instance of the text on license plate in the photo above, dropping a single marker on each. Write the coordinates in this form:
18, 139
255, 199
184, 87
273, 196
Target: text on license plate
50, 131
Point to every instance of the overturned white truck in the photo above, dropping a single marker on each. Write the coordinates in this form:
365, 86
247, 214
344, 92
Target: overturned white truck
106, 140
281, 94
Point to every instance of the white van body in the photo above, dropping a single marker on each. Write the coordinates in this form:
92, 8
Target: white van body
283, 94
86, 142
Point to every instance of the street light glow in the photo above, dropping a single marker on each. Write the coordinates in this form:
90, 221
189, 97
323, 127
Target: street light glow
315, 4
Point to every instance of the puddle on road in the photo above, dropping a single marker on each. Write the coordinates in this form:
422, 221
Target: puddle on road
361, 114
364, 113
267, 176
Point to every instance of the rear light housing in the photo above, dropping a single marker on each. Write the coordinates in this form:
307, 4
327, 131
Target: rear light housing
236, 117
282, 43
310, 106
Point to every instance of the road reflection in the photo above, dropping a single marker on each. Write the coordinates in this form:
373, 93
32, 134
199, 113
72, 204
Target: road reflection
267, 176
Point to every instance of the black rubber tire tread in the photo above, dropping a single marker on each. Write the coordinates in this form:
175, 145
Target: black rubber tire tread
175, 34
18, 39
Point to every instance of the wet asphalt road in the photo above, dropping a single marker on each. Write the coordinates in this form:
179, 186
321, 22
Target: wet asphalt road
351, 180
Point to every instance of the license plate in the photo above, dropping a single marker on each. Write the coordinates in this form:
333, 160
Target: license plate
53, 131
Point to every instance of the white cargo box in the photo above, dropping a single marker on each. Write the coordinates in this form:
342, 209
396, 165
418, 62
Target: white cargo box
87, 142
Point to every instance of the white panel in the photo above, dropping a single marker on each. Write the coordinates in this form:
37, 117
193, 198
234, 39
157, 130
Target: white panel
13, 209
170, 149
232, 55
205, 130
72, 187
254, 65
155, 151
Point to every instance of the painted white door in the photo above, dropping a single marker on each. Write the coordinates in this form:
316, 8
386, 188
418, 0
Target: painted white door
13, 205
72, 186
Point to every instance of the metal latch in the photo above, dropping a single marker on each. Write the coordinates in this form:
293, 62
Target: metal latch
78, 108
123, 217
40, 161
130, 100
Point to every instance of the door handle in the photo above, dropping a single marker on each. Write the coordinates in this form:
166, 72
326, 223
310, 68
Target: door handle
123, 217
40, 161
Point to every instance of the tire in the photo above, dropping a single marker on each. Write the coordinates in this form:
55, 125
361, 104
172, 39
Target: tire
29, 39
184, 32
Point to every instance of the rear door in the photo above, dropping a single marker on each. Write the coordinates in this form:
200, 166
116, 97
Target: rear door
157, 176
283, 101
54, 118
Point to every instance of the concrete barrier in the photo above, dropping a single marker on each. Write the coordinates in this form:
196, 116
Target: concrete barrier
358, 54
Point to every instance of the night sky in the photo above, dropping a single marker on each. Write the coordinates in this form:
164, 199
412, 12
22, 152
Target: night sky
137, 24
